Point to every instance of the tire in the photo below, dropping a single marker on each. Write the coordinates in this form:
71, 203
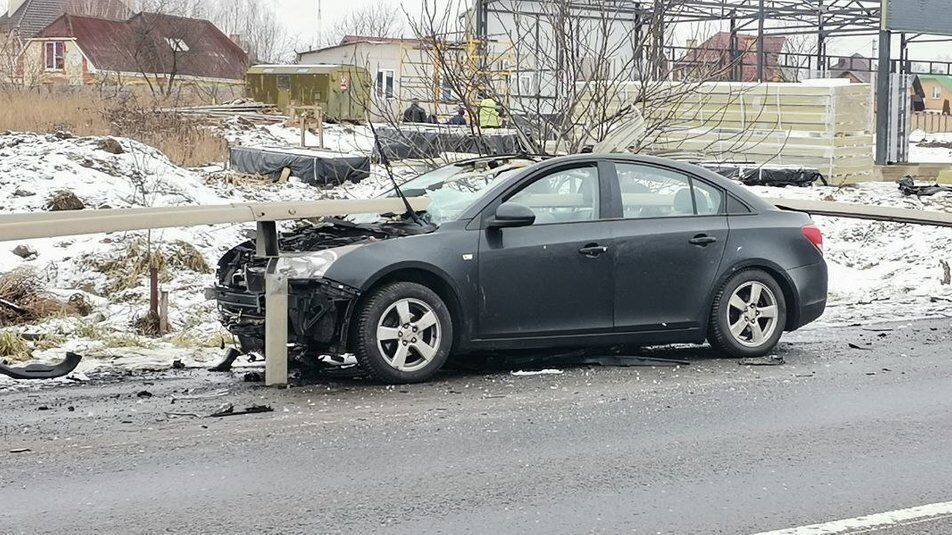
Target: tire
392, 349
741, 330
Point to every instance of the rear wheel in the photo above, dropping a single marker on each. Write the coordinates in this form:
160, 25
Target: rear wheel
749, 315
403, 333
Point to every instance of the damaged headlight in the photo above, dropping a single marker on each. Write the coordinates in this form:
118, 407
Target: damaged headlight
312, 265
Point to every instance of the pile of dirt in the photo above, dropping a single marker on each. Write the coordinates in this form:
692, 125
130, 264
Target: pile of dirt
64, 200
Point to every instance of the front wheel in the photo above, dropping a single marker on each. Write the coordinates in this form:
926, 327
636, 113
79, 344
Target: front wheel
404, 333
748, 316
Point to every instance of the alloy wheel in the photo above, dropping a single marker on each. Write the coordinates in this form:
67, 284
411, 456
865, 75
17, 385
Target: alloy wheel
752, 314
408, 334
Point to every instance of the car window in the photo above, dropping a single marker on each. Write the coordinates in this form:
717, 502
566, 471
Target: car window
708, 199
565, 196
653, 192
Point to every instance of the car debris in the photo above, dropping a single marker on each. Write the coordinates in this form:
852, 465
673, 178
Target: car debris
229, 410
522, 373
20, 450
177, 364
43, 371
861, 348
231, 354
144, 394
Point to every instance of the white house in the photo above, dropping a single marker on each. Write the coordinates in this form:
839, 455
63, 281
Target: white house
400, 68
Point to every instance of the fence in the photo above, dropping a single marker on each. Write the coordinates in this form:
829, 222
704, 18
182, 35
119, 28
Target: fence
930, 122
824, 125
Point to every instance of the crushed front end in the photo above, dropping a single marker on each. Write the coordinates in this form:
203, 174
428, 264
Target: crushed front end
319, 309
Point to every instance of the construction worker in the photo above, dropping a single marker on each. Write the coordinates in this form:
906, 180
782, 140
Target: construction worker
488, 113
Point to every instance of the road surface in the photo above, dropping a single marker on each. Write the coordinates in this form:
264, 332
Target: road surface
833, 434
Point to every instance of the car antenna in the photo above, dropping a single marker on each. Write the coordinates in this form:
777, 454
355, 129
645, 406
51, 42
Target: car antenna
396, 187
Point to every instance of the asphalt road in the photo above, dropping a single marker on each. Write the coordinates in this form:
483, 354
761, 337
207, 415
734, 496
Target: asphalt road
713, 447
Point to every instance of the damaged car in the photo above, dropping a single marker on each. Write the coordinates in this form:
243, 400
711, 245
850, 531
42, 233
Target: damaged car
515, 252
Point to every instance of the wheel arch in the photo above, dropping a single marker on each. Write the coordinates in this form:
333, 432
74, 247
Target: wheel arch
425, 275
779, 274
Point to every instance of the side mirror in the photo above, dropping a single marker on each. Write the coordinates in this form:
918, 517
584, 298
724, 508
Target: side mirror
512, 214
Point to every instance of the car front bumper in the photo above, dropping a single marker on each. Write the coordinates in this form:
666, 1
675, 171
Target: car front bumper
319, 312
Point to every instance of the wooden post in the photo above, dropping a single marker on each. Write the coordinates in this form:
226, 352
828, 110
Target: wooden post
164, 312
153, 290
320, 125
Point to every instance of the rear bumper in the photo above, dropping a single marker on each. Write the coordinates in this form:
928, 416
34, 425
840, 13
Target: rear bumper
810, 283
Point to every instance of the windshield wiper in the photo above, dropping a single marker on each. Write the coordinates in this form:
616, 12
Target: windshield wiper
396, 187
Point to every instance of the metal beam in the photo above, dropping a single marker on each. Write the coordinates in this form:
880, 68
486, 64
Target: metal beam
862, 211
73, 223
882, 98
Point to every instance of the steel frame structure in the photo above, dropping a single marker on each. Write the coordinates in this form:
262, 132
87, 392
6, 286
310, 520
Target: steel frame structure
823, 18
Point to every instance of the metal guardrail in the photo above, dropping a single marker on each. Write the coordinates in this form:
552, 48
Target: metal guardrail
862, 211
266, 215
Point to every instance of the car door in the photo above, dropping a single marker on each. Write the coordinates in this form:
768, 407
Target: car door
668, 243
553, 277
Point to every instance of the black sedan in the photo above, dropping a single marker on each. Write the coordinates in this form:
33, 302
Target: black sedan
516, 253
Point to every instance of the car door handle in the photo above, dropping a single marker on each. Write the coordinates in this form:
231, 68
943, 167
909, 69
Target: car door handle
702, 239
593, 250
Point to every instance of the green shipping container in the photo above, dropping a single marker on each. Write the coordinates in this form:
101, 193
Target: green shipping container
342, 91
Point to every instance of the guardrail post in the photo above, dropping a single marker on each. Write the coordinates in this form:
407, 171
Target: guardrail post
275, 325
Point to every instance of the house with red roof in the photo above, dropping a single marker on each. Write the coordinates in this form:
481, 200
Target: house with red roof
152, 49
711, 61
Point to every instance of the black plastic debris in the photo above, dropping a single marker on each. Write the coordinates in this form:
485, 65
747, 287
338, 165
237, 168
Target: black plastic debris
771, 360
231, 354
253, 377
861, 348
42, 371
144, 394
229, 410
20, 450
178, 365
907, 186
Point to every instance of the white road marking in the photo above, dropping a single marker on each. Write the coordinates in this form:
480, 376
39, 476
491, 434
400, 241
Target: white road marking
876, 521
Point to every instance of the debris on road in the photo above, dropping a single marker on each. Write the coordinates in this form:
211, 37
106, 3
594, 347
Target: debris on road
42, 371
231, 354
253, 377
20, 450
771, 360
177, 364
861, 348
144, 394
229, 410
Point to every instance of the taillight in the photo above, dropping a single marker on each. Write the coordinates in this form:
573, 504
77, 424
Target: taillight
812, 233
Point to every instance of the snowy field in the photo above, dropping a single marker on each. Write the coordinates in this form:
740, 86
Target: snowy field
879, 271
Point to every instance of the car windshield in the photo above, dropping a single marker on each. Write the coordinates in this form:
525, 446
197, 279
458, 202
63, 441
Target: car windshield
454, 188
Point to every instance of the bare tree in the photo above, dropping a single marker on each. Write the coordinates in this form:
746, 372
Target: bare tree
261, 33
371, 20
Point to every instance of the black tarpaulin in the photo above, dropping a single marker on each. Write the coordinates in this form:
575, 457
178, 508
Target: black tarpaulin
430, 141
313, 166
773, 175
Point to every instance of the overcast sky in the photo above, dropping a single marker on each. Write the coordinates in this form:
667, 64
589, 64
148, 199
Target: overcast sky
301, 19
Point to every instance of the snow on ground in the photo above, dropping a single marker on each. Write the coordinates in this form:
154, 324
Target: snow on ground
878, 270
927, 148
34, 166
337, 137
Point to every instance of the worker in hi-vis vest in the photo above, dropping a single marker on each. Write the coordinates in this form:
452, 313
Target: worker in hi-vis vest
488, 113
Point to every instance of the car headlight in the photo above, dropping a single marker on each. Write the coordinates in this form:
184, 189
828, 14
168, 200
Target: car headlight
311, 265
